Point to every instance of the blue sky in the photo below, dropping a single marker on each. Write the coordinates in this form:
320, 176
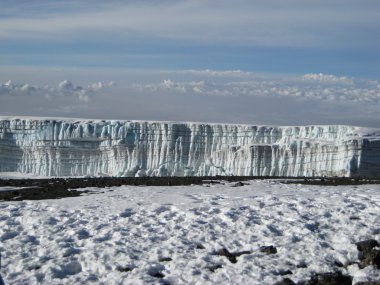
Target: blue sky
292, 36
273, 44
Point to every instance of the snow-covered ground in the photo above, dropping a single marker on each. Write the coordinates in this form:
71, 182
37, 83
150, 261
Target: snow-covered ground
169, 235
19, 175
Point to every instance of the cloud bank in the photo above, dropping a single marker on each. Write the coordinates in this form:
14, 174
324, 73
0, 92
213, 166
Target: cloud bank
196, 95
64, 88
309, 86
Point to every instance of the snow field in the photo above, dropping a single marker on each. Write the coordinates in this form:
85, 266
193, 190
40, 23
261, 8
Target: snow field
169, 235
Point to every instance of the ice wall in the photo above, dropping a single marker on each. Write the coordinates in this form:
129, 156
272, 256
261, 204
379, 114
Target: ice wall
64, 147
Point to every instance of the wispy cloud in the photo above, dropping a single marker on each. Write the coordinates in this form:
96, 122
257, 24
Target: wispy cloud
293, 36
240, 22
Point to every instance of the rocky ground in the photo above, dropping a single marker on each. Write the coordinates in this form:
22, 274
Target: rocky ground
55, 188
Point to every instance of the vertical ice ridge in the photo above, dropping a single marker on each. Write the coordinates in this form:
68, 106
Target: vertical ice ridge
55, 147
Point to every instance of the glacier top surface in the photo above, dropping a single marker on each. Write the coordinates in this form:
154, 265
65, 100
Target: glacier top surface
368, 133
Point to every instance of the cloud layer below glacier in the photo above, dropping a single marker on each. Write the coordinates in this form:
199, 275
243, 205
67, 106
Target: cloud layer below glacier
63, 88
193, 95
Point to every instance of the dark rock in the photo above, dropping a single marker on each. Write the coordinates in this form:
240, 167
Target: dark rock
369, 283
285, 272
124, 269
353, 218
239, 184
213, 268
164, 259
338, 263
156, 271
224, 252
285, 281
367, 245
34, 267
231, 256
268, 249
336, 278
237, 254
55, 188
368, 254
200, 246
157, 275
372, 258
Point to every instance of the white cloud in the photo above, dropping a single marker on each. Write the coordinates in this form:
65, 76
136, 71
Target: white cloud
320, 77
64, 88
206, 96
171, 86
217, 73
168, 84
309, 86
101, 85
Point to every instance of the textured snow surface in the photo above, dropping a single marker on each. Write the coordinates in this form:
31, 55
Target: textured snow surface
64, 147
91, 239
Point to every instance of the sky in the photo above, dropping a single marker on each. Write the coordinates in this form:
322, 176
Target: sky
274, 62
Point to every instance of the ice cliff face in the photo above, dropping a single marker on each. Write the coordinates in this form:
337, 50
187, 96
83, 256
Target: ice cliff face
55, 147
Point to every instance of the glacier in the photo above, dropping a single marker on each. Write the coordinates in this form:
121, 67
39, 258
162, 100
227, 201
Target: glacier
80, 147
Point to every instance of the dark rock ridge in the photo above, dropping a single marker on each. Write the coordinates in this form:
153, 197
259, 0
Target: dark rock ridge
54, 188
